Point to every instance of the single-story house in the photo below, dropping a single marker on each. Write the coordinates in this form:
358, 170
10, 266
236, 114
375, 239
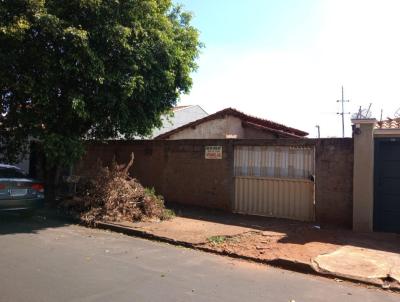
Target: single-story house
231, 123
182, 115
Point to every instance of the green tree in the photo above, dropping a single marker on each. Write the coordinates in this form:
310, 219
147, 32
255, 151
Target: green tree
89, 69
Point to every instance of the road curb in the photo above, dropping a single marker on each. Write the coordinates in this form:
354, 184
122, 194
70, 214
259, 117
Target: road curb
281, 263
287, 264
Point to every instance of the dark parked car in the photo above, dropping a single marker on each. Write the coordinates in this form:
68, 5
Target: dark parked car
18, 192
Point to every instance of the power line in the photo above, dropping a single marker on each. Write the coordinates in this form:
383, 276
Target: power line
342, 113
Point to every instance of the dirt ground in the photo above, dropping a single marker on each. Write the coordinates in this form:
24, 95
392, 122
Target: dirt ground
269, 245
260, 237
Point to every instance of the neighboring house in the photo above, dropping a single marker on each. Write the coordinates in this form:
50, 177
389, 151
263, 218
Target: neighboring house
182, 115
376, 190
231, 123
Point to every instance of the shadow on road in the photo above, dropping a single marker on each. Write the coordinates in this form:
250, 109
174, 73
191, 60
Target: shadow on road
15, 223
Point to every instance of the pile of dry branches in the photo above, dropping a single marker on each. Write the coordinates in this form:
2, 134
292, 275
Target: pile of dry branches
112, 195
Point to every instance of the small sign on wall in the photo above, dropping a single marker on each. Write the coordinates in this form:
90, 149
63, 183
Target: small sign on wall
213, 152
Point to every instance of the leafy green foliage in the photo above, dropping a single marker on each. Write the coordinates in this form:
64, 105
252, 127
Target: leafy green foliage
92, 69
217, 239
168, 214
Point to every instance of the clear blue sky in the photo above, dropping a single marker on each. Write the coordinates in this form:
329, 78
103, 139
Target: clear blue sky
285, 60
254, 23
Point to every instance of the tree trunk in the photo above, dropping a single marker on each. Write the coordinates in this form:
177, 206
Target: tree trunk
51, 184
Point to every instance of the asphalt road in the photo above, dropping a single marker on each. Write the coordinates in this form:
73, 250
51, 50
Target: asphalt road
47, 260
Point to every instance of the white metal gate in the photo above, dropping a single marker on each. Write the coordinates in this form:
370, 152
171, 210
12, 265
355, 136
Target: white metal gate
275, 181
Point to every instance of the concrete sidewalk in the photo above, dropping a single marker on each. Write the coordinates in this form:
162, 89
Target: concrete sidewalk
371, 258
365, 265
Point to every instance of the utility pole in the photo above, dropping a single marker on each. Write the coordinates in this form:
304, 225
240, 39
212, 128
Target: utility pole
319, 132
342, 113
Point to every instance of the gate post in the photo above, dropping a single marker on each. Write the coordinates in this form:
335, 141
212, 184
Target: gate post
363, 177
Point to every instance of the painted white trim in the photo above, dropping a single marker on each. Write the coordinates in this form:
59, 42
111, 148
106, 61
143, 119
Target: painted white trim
364, 121
383, 132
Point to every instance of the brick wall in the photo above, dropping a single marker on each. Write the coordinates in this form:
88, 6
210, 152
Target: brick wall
334, 182
178, 170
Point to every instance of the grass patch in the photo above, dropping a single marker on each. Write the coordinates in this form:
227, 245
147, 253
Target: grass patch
217, 239
168, 214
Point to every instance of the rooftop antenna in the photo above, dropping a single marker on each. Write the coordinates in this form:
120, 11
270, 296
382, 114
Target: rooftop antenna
368, 113
342, 113
358, 114
363, 113
319, 130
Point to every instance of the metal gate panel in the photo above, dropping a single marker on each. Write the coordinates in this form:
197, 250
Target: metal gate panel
387, 188
274, 181
273, 197
274, 161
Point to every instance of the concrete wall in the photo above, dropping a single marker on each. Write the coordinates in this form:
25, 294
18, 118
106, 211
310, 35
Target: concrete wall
363, 193
234, 127
213, 129
178, 170
334, 181
252, 133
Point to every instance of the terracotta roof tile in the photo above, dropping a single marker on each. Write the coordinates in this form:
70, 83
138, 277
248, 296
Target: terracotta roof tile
267, 124
388, 124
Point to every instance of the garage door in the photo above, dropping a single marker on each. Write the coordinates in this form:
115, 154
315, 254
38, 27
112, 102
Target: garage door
387, 185
274, 181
